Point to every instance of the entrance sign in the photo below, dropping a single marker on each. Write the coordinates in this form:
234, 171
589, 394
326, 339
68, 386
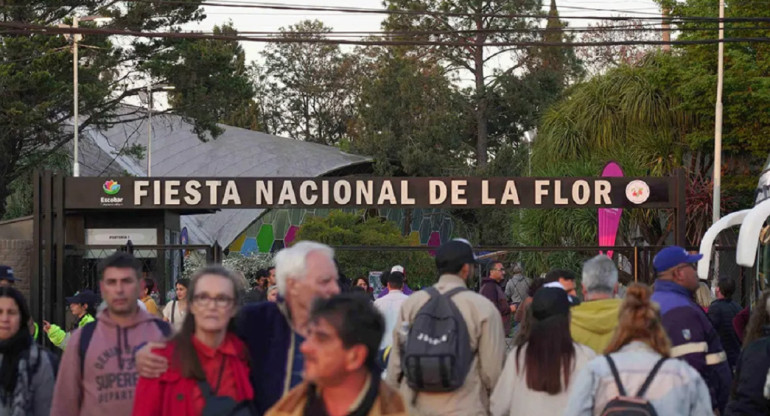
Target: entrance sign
121, 236
460, 192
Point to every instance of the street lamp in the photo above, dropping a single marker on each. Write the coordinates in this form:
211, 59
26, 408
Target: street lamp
149, 102
718, 116
76, 37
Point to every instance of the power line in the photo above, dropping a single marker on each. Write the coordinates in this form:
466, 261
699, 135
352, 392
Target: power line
279, 6
50, 30
595, 29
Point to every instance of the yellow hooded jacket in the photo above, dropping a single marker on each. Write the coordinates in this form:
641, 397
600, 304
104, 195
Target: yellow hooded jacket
594, 322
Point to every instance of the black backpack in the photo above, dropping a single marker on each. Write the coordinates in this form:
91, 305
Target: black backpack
437, 355
223, 405
624, 405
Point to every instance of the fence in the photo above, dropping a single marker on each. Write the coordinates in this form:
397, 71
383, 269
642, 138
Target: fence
634, 263
162, 263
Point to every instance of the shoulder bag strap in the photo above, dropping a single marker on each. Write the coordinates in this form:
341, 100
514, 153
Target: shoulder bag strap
432, 291
85, 339
173, 307
621, 390
651, 376
455, 291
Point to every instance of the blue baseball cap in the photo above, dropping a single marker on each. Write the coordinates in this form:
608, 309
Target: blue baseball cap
6, 273
84, 296
673, 256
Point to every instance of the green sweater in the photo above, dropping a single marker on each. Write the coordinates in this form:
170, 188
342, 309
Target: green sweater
59, 338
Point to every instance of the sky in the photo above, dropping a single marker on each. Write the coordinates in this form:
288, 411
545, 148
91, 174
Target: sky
246, 19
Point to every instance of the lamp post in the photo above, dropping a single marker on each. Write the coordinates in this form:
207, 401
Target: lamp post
76, 37
718, 121
150, 86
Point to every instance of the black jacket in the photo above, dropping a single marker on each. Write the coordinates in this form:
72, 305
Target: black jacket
721, 314
750, 377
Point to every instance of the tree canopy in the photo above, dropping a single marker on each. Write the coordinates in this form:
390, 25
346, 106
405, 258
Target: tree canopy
36, 75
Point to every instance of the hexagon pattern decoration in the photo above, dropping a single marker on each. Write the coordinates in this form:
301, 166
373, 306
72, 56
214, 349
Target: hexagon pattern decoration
249, 245
265, 238
278, 228
291, 235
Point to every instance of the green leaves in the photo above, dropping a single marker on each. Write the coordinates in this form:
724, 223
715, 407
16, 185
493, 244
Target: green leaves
311, 86
36, 76
340, 228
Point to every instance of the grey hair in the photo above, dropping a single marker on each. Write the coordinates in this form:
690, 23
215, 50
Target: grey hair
291, 263
600, 275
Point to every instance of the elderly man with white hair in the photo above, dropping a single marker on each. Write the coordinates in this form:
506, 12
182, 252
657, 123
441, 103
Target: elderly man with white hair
594, 321
273, 332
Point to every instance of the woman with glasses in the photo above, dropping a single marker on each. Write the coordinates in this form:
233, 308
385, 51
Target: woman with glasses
208, 365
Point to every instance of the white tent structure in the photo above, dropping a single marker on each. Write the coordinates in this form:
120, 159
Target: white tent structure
178, 152
751, 222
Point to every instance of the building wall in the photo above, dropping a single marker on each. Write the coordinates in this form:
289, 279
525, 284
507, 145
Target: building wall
16, 229
18, 255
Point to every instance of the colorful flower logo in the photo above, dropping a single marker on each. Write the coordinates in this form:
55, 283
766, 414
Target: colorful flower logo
638, 192
111, 187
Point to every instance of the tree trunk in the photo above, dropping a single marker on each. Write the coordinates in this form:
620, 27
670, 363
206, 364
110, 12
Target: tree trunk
481, 98
4, 191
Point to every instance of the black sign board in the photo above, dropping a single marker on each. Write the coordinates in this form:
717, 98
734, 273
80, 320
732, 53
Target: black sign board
342, 192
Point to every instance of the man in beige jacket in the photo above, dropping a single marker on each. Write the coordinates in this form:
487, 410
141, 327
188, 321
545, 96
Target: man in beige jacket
455, 262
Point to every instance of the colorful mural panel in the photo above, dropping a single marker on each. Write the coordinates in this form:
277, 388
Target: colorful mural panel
278, 228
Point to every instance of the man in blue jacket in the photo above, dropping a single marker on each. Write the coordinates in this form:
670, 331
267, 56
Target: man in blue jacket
693, 338
273, 332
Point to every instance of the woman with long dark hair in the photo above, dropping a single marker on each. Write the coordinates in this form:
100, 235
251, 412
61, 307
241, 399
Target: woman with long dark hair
538, 374
751, 386
639, 350
207, 361
27, 370
361, 284
759, 320
175, 311
83, 306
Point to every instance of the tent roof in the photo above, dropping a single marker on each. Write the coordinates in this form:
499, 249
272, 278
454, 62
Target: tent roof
177, 151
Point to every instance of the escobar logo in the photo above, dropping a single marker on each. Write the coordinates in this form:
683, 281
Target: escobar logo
111, 188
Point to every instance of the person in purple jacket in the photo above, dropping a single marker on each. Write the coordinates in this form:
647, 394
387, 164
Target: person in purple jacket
405, 290
693, 338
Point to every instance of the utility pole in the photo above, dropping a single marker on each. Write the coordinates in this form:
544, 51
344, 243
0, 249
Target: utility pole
149, 129
666, 26
718, 121
75, 38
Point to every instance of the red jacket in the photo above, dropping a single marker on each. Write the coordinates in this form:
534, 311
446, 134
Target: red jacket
173, 395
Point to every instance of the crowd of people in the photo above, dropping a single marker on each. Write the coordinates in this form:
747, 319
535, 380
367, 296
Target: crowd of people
303, 342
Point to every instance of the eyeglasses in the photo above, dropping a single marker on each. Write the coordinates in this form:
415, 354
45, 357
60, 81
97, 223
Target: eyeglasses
219, 301
498, 270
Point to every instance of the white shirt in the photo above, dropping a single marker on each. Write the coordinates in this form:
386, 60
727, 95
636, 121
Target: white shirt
390, 305
178, 317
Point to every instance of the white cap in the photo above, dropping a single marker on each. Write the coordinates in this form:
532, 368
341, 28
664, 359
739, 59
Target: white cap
397, 268
554, 284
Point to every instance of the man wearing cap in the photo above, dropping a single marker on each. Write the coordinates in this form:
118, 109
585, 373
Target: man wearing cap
693, 338
455, 262
405, 290
79, 305
6, 276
